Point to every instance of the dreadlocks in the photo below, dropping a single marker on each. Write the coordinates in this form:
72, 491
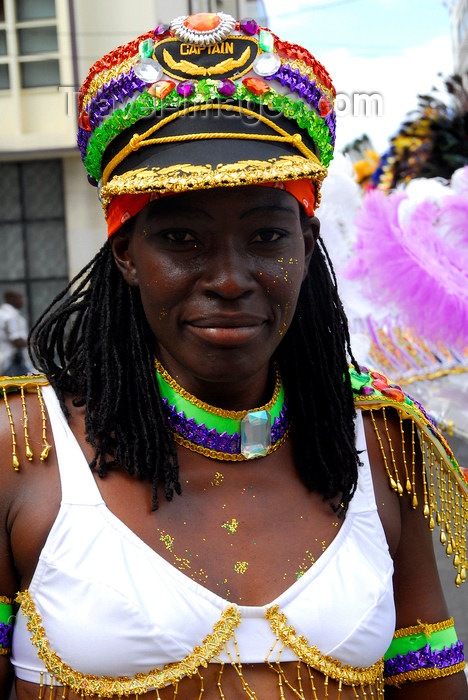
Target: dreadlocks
94, 343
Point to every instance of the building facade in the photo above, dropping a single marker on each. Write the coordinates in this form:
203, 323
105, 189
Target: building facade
459, 20
51, 222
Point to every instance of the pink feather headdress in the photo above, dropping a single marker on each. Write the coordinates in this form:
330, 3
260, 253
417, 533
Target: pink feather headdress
413, 259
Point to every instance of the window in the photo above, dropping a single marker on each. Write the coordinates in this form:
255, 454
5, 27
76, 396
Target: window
29, 43
32, 232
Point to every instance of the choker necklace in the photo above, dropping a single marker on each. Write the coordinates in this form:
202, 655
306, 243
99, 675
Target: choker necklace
220, 434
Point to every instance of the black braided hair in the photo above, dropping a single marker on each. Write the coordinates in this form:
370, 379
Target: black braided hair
313, 359
94, 343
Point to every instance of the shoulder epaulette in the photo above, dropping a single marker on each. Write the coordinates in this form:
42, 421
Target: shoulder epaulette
445, 483
22, 385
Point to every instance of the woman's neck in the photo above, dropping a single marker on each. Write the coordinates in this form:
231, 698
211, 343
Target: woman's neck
233, 393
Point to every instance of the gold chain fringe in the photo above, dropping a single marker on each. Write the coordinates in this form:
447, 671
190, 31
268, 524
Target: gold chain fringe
445, 497
223, 631
25, 385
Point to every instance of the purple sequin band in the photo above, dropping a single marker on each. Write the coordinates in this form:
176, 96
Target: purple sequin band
117, 90
424, 658
307, 90
199, 434
6, 632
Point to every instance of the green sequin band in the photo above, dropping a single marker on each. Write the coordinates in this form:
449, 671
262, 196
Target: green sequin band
210, 416
145, 105
414, 642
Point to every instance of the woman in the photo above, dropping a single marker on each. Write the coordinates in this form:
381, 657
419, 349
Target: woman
199, 366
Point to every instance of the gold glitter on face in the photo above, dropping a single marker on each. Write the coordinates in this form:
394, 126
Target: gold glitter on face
240, 567
217, 479
231, 526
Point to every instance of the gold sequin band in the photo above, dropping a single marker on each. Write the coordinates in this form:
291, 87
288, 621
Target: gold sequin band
139, 140
425, 628
180, 178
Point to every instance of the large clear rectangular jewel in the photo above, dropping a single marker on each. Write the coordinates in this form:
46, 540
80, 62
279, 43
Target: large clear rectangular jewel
255, 434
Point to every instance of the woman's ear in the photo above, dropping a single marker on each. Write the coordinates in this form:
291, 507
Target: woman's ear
311, 232
121, 251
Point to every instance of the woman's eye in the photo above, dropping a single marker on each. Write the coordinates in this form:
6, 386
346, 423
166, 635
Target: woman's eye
179, 236
268, 236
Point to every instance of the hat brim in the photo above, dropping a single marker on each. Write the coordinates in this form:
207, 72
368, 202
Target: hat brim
211, 147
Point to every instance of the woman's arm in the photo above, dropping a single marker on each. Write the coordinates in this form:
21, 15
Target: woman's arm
8, 579
417, 589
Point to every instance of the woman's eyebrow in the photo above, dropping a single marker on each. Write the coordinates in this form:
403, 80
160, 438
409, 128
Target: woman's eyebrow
268, 207
166, 208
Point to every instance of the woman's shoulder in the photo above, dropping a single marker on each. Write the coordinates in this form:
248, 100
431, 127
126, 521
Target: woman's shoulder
25, 435
23, 420
409, 453
29, 481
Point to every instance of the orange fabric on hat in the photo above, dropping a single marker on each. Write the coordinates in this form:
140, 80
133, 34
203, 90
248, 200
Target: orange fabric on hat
124, 206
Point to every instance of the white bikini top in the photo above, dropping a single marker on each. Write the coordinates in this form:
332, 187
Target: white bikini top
111, 606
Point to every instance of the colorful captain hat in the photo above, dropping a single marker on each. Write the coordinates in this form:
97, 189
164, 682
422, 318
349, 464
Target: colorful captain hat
205, 102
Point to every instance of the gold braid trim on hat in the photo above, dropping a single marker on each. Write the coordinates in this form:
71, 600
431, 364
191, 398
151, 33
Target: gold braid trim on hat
139, 140
186, 177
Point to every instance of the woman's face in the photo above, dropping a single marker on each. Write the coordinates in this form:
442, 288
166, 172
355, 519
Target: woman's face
219, 273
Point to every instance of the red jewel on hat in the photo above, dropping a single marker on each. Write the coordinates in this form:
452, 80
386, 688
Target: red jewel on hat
377, 375
84, 121
202, 22
391, 392
161, 88
324, 106
256, 86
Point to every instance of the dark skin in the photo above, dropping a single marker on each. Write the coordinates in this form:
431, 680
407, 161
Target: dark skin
254, 313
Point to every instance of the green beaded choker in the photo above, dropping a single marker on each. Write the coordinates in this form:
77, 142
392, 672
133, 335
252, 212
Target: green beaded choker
220, 434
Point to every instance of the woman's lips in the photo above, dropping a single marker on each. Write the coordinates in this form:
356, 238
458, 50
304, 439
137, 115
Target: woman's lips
227, 330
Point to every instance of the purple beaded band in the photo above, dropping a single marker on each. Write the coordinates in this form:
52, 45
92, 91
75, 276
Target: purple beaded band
424, 658
211, 439
100, 106
6, 633
307, 90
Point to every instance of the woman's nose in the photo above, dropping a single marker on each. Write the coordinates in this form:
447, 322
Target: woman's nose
228, 274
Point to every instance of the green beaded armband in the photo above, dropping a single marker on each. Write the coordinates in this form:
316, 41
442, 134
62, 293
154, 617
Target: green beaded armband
423, 652
437, 640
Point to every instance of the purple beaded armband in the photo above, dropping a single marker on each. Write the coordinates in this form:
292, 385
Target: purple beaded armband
424, 658
6, 633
